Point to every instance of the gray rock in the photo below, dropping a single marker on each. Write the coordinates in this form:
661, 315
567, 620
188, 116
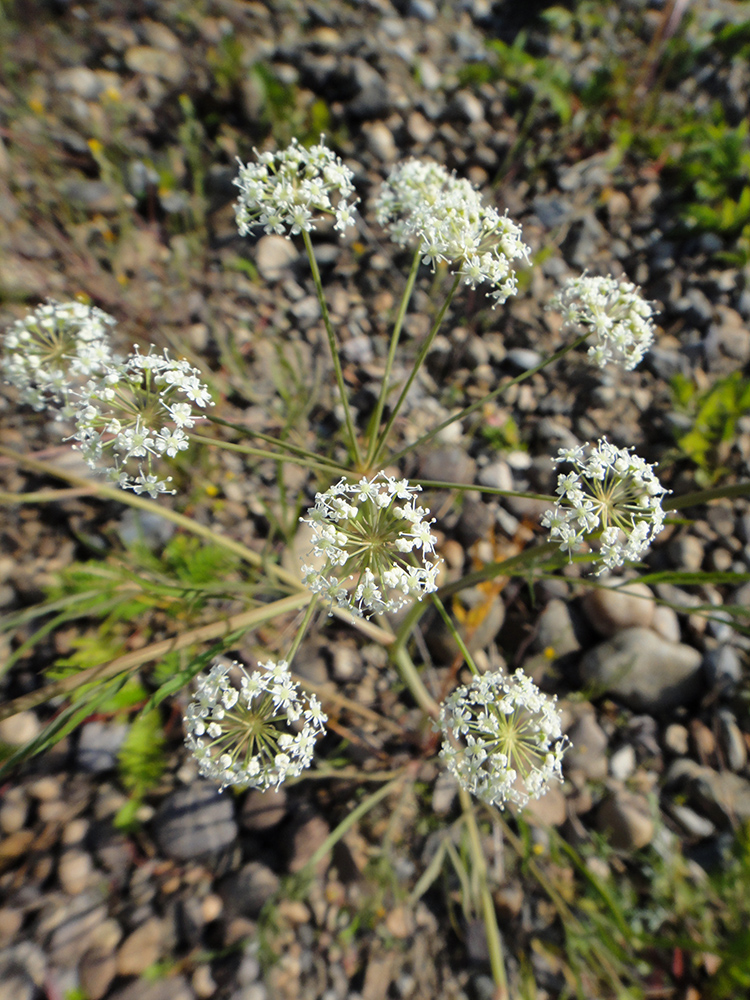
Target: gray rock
610, 610
195, 821
666, 623
555, 630
273, 255
722, 669
626, 817
77, 926
262, 810
721, 795
731, 740
20, 728
448, 465
425, 10
86, 83
523, 358
497, 475
687, 552
247, 891
99, 744
380, 142
676, 739
168, 66
622, 763
172, 988
644, 671
588, 752
91, 195
444, 794
690, 821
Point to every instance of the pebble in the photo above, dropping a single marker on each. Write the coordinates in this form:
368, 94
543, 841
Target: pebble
262, 810
622, 763
99, 744
96, 970
246, 892
168, 66
273, 255
19, 729
11, 922
690, 821
676, 739
731, 740
195, 821
169, 988
722, 796
77, 926
626, 818
549, 810
588, 753
14, 810
666, 623
444, 793
629, 606
307, 838
346, 663
380, 142
686, 552
74, 871
645, 671
555, 630
722, 669
142, 948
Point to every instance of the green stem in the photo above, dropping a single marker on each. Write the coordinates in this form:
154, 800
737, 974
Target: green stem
309, 612
378, 414
410, 677
492, 931
346, 824
270, 439
467, 411
354, 443
454, 632
141, 503
433, 484
704, 496
246, 449
418, 361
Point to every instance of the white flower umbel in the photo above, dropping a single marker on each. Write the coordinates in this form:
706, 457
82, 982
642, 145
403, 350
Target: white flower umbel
422, 204
375, 541
615, 313
256, 735
609, 490
284, 191
55, 348
502, 738
136, 412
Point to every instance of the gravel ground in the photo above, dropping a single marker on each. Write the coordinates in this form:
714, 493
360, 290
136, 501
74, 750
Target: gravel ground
120, 124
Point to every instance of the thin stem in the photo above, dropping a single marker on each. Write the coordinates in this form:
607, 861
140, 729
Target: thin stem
492, 931
354, 443
467, 411
704, 496
410, 677
157, 651
378, 414
454, 632
418, 361
101, 490
433, 484
246, 449
346, 824
295, 449
309, 612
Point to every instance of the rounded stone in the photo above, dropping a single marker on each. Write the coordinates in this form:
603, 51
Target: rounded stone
74, 871
626, 818
630, 605
263, 810
588, 750
644, 671
195, 821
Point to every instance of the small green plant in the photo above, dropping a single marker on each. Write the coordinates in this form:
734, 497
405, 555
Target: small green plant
714, 414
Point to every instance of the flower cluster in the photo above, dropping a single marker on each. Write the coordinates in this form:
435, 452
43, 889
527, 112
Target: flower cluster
369, 533
256, 735
53, 348
284, 190
610, 489
136, 411
502, 738
616, 314
422, 204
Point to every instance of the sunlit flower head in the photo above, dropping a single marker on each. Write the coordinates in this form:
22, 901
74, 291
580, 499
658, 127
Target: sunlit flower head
134, 414
610, 490
502, 738
615, 313
256, 734
55, 348
421, 204
375, 541
285, 191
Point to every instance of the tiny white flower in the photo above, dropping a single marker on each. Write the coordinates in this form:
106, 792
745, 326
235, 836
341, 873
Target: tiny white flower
611, 490
253, 746
502, 738
366, 532
614, 311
